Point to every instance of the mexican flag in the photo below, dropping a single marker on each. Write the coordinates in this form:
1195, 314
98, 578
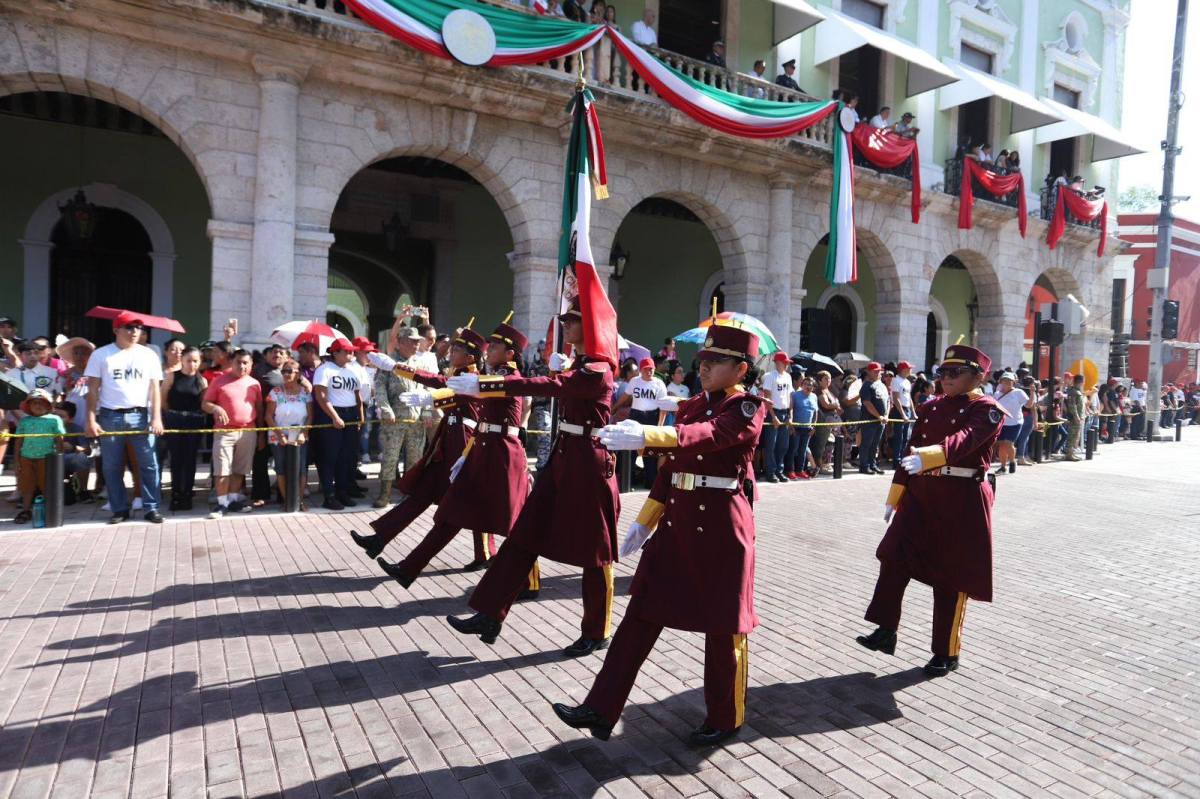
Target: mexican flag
576, 269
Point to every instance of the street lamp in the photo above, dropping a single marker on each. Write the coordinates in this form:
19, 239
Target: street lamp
395, 232
619, 260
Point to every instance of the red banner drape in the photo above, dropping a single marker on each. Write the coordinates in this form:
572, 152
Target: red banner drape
998, 185
887, 150
1082, 209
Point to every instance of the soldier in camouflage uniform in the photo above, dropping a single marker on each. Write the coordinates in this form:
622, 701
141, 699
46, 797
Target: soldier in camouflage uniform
1075, 410
401, 431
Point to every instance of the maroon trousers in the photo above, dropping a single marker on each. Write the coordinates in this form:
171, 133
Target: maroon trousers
726, 669
949, 608
509, 573
396, 520
437, 539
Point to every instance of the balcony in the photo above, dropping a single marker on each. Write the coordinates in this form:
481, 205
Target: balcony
953, 185
1049, 199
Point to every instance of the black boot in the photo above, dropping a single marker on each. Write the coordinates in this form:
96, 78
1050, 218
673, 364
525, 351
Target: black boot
941, 665
707, 736
582, 717
475, 566
528, 593
367, 542
586, 646
882, 640
394, 571
487, 628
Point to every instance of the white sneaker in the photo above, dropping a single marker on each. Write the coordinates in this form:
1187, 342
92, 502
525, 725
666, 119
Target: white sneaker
137, 503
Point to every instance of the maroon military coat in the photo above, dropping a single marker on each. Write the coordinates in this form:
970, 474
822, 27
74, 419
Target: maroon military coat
942, 531
571, 514
494, 479
431, 474
697, 570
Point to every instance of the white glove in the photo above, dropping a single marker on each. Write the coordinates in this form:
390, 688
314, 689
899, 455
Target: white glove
559, 362
416, 399
623, 435
669, 403
467, 384
457, 467
634, 538
911, 463
888, 510
381, 361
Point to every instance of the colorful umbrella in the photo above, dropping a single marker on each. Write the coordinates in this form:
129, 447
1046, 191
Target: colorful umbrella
293, 334
157, 322
766, 340
631, 349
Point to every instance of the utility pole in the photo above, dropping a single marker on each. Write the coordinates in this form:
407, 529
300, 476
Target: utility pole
1157, 279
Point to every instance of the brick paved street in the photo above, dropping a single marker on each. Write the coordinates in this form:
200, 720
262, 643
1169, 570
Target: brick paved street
265, 654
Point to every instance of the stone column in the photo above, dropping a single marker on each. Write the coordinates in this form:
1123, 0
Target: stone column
35, 311
1002, 337
899, 332
231, 259
162, 299
777, 302
535, 294
272, 300
310, 289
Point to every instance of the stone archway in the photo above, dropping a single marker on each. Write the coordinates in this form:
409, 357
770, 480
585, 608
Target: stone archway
851, 296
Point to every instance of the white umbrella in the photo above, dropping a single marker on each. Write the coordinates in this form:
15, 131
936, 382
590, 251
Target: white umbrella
852, 360
293, 334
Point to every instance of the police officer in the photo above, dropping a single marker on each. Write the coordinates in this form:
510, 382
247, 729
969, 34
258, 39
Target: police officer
425, 481
490, 479
942, 501
697, 570
785, 79
1075, 411
571, 515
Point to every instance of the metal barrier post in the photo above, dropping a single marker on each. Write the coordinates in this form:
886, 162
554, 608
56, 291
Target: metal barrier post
1149, 429
625, 471
292, 490
839, 450
1178, 429
1035, 444
1089, 443
53, 493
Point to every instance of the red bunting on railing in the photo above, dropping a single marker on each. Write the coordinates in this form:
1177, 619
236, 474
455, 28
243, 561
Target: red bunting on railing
997, 185
1082, 209
887, 149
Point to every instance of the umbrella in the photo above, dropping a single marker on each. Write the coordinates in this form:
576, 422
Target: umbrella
766, 339
852, 360
12, 391
631, 349
157, 322
815, 362
293, 334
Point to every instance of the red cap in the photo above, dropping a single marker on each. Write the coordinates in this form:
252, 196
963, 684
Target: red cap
341, 345
903, 365
646, 363
364, 344
471, 341
725, 341
781, 357
509, 336
874, 366
1068, 375
127, 318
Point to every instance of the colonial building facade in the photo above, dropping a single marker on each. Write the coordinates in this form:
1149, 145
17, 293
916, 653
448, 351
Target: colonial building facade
270, 160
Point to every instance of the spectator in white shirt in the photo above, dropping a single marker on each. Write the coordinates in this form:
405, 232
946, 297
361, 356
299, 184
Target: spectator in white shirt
33, 373
123, 394
645, 394
880, 120
643, 30
337, 387
1137, 406
1012, 399
902, 411
777, 387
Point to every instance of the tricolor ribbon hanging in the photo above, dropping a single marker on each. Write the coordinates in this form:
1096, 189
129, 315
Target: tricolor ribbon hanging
887, 149
841, 259
1082, 209
997, 185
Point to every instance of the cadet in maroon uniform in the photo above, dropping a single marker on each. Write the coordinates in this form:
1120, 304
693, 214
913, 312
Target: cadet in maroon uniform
424, 483
697, 571
489, 481
571, 515
942, 500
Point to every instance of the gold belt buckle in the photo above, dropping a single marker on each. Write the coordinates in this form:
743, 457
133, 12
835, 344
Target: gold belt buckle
688, 481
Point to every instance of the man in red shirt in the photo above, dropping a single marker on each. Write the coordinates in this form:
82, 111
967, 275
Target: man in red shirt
235, 401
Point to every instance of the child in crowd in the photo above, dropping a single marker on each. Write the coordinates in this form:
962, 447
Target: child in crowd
77, 458
31, 453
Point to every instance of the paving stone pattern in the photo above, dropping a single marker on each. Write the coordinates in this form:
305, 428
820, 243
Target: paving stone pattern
264, 655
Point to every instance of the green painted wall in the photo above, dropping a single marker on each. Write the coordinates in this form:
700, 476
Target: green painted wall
670, 260
757, 25
40, 158
954, 289
483, 281
815, 285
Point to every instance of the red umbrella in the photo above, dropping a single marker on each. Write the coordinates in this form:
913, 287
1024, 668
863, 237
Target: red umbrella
157, 322
293, 334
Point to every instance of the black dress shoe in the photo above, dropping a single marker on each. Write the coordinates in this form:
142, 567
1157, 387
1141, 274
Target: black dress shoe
586, 646
176, 503
475, 566
878, 471
347, 500
582, 717
528, 593
394, 571
707, 736
882, 640
359, 474
332, 504
367, 542
772, 478
117, 518
487, 628
941, 665
357, 492
154, 517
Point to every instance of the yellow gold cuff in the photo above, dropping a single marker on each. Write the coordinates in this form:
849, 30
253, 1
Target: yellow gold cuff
652, 512
660, 437
894, 494
931, 457
443, 398
403, 371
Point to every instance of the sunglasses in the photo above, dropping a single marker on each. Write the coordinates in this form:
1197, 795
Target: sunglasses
952, 372
131, 328
287, 371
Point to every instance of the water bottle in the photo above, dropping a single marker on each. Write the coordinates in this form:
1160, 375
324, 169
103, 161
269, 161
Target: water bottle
39, 511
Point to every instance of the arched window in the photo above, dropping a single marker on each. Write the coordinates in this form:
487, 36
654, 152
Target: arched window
841, 325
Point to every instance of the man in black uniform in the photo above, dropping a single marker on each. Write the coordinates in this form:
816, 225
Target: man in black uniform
785, 80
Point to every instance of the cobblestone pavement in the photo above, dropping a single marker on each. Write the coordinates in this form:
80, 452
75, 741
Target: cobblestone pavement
265, 654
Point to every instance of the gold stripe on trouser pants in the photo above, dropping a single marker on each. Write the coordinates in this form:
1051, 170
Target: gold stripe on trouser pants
741, 652
535, 578
960, 611
608, 600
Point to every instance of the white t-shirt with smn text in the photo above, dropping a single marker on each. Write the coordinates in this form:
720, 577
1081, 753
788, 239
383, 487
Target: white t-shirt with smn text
125, 375
343, 383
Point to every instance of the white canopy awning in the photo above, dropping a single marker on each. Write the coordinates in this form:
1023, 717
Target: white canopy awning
839, 34
792, 17
1028, 112
1107, 141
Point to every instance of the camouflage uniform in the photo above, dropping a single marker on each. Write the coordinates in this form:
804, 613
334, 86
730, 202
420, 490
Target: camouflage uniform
407, 435
1074, 413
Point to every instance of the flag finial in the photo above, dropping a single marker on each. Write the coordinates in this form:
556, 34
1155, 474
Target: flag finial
508, 318
960, 338
470, 322
714, 310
